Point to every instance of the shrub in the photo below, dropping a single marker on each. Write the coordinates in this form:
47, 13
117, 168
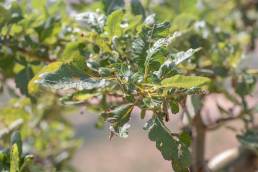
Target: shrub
121, 57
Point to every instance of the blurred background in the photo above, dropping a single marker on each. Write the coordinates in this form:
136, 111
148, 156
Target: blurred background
137, 153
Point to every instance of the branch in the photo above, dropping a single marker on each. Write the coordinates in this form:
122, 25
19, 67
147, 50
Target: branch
236, 159
12, 127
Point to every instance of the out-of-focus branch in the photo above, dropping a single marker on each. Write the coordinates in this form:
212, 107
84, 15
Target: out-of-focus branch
236, 159
12, 127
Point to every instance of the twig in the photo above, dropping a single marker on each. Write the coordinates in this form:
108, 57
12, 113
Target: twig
14, 126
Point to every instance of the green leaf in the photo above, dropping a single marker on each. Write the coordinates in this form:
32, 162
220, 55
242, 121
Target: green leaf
139, 49
180, 81
170, 148
15, 12
16, 152
113, 23
112, 5
96, 39
137, 8
174, 107
69, 77
46, 29
33, 86
78, 97
249, 140
245, 84
185, 138
22, 79
39, 5
118, 118
183, 55
5, 15
161, 30
163, 42
156, 48
152, 30
235, 59
167, 69
16, 140
15, 160
74, 54
28, 160
91, 21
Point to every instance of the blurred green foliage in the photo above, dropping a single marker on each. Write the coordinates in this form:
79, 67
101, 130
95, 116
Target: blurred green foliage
113, 56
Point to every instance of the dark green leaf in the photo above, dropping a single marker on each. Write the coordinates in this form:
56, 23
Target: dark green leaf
112, 5
174, 107
139, 49
156, 48
249, 140
245, 84
22, 79
166, 70
46, 29
170, 148
118, 118
185, 139
137, 8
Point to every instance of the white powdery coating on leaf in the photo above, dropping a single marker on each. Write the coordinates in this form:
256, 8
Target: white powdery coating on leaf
66, 84
122, 131
91, 20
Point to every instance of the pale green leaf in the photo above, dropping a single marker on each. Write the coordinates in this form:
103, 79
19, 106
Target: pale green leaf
180, 81
113, 24
16, 140
15, 160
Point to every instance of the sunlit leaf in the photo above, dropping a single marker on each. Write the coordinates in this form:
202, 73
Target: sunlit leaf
180, 81
15, 160
33, 86
113, 24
